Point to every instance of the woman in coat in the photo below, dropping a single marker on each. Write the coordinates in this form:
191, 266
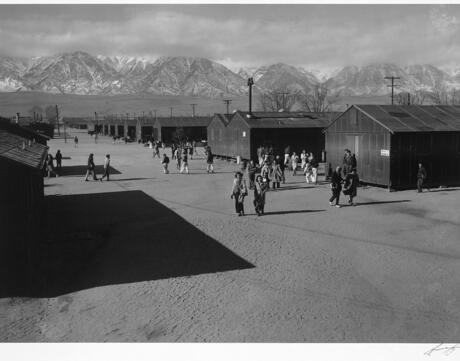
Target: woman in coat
336, 187
260, 188
351, 185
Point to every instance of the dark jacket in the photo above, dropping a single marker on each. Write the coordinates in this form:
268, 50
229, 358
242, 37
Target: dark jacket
421, 174
336, 181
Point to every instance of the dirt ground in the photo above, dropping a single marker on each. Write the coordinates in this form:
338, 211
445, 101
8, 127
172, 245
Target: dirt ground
154, 257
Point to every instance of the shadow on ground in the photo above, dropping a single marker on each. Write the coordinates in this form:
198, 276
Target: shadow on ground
121, 237
380, 202
80, 170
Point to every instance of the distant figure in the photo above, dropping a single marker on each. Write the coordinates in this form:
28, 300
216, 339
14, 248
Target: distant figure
239, 191
252, 170
50, 166
58, 157
209, 161
260, 189
282, 167
106, 167
91, 168
75, 142
421, 178
287, 152
350, 187
303, 159
294, 161
165, 164
336, 187
265, 172
314, 168
156, 150
194, 148
308, 171
277, 174
184, 162
177, 154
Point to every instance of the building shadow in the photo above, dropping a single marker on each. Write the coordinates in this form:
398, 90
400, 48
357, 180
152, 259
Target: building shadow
80, 170
293, 212
290, 188
128, 179
113, 238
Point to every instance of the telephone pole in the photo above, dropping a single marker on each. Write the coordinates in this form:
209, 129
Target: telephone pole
392, 78
193, 109
57, 119
250, 84
227, 101
171, 108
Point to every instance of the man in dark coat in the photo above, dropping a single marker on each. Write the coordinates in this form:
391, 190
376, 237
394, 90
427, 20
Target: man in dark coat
421, 178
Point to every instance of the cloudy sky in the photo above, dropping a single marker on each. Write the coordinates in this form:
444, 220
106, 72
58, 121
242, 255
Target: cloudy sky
315, 36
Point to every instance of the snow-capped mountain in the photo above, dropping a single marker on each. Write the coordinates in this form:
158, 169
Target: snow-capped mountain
82, 73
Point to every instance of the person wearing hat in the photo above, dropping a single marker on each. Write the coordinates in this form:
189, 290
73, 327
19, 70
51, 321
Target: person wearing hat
106, 167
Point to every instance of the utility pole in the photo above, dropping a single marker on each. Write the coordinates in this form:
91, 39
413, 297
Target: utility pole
171, 108
227, 101
155, 111
250, 84
193, 109
392, 78
57, 119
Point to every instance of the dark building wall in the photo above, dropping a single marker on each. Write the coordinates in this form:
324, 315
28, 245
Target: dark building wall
192, 133
439, 152
364, 137
21, 210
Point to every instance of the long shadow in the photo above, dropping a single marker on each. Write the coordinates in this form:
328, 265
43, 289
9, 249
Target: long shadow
112, 238
380, 202
293, 212
128, 179
290, 188
80, 170
442, 190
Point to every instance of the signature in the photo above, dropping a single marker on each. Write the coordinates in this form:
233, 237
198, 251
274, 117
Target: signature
443, 348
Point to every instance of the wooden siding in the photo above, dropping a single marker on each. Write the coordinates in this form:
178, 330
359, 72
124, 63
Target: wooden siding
236, 143
217, 138
364, 137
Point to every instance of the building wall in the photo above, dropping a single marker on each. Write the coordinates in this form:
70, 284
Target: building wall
216, 134
238, 138
367, 139
21, 210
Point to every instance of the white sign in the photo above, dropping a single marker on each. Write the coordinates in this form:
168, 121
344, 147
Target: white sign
244, 134
385, 152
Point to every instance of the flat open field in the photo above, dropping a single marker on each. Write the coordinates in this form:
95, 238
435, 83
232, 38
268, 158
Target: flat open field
153, 257
85, 105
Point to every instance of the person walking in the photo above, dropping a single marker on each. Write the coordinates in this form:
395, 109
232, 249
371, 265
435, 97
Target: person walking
177, 156
184, 162
209, 160
277, 174
91, 168
239, 191
252, 170
303, 159
350, 187
75, 140
165, 163
346, 164
282, 168
50, 166
265, 172
106, 168
156, 150
260, 189
308, 171
58, 157
336, 187
287, 152
294, 161
421, 178
314, 168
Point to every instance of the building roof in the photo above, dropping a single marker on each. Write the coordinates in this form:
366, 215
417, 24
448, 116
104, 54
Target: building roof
224, 118
16, 148
177, 122
414, 118
287, 119
22, 131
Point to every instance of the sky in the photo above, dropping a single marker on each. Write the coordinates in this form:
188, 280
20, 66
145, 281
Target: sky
318, 37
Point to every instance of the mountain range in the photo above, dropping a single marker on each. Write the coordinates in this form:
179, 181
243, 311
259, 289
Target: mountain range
82, 73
